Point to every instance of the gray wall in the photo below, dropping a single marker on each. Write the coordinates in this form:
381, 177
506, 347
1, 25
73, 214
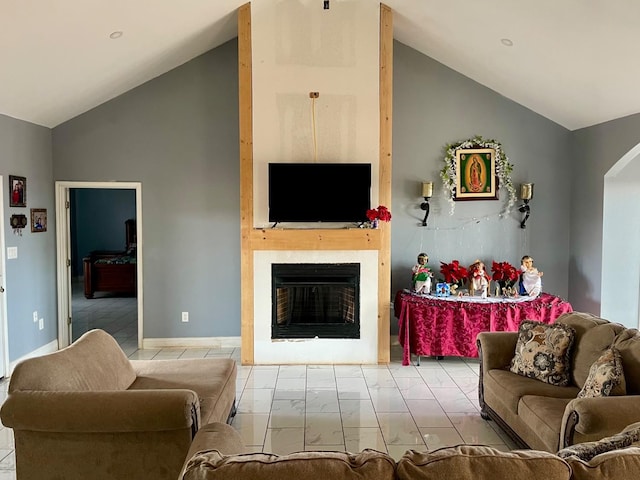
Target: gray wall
25, 150
434, 105
178, 135
98, 216
595, 150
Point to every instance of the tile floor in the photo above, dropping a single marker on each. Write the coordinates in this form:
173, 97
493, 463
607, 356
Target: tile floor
287, 408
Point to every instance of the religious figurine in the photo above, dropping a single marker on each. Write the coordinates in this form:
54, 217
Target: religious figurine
530, 278
478, 279
422, 275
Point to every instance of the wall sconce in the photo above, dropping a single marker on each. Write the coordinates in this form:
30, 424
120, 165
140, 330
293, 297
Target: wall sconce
427, 193
526, 194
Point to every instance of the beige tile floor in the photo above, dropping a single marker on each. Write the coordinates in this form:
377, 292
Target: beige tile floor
287, 408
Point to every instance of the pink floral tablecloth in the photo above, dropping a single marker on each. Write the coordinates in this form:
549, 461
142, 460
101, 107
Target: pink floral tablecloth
448, 326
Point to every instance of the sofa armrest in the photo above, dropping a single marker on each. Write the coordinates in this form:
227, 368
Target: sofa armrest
101, 411
496, 348
604, 416
215, 436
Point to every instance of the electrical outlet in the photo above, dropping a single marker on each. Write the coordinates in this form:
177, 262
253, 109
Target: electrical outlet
12, 252
35, 317
185, 316
41, 324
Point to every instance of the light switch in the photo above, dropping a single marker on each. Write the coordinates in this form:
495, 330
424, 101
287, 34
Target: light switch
12, 252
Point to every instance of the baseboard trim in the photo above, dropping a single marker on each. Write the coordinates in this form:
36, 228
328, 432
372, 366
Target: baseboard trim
43, 350
192, 342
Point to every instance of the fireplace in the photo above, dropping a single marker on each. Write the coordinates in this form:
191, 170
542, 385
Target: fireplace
315, 300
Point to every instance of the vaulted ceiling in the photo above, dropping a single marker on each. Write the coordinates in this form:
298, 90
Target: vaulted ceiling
572, 61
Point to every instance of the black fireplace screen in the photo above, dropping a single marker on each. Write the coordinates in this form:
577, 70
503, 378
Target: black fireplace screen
315, 300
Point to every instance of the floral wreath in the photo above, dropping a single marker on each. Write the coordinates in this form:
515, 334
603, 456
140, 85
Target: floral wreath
503, 170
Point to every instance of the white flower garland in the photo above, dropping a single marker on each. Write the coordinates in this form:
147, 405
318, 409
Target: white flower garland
503, 170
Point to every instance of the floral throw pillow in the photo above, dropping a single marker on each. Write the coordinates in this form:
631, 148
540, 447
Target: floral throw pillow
606, 377
586, 451
543, 352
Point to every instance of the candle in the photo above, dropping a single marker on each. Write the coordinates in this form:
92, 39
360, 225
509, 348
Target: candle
526, 191
427, 189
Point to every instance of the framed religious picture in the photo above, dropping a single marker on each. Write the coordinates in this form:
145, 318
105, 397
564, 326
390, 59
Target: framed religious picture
17, 191
476, 177
38, 219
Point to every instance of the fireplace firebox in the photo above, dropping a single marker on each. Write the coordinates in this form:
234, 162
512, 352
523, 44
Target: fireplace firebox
315, 300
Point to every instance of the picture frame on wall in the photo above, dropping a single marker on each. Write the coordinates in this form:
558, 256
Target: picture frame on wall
17, 191
476, 177
38, 220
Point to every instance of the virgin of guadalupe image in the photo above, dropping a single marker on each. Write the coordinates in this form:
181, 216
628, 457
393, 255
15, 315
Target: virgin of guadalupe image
476, 177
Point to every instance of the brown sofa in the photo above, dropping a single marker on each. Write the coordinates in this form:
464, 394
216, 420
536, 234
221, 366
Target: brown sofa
548, 417
88, 412
216, 454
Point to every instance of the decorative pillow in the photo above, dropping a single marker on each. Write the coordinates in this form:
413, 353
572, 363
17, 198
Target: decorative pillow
586, 451
543, 352
606, 376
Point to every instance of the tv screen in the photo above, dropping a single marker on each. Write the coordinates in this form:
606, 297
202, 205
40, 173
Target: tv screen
319, 192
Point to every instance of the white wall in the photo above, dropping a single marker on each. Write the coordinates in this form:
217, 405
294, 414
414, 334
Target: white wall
298, 47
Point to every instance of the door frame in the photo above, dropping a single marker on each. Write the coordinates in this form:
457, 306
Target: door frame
4, 315
63, 236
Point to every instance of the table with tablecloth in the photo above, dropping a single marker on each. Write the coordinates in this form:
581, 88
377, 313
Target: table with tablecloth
448, 326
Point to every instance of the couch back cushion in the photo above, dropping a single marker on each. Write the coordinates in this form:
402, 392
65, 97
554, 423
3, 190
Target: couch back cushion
476, 462
617, 464
593, 336
94, 362
628, 344
368, 464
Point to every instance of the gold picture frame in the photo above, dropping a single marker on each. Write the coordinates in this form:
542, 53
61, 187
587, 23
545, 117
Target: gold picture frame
476, 177
38, 220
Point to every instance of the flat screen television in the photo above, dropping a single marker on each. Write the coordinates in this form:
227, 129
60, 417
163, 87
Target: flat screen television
319, 192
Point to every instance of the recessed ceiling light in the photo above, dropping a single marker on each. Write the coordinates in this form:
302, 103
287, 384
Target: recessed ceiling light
116, 34
507, 42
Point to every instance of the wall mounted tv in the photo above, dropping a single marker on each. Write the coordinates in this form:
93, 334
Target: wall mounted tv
319, 192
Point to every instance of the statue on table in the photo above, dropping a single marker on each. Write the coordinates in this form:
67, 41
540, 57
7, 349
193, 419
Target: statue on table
530, 278
422, 275
478, 279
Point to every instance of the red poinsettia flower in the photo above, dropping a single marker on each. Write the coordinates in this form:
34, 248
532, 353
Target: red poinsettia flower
453, 272
381, 213
504, 272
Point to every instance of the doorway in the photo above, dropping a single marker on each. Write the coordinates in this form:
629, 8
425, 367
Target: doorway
98, 216
4, 330
620, 289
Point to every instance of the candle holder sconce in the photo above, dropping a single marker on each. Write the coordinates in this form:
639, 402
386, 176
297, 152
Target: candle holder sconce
427, 193
526, 194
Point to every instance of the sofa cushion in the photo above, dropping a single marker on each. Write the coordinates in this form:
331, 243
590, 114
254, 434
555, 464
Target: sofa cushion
628, 344
606, 376
544, 417
475, 462
508, 388
368, 464
587, 450
617, 464
593, 336
543, 352
213, 380
94, 362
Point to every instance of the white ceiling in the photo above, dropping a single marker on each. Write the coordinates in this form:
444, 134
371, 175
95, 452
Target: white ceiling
572, 61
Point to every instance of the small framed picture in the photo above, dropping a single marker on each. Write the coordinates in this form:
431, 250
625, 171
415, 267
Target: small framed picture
476, 177
38, 219
17, 191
